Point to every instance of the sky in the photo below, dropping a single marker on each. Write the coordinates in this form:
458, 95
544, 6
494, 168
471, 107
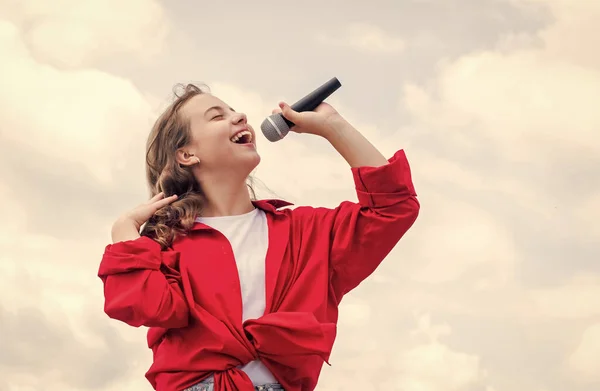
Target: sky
496, 286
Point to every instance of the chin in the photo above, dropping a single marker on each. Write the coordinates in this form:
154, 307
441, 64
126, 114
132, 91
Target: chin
250, 162
255, 161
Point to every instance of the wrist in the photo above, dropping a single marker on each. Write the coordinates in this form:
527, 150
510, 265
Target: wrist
124, 229
334, 125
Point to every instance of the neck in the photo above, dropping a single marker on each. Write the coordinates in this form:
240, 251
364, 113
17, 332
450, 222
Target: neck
225, 197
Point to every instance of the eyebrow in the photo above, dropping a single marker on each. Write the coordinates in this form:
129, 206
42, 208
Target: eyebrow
216, 108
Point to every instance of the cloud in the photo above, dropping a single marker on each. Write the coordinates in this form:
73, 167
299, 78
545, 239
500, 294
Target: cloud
433, 366
577, 299
521, 102
43, 349
584, 360
504, 147
504, 154
71, 33
415, 360
573, 30
84, 116
455, 237
70, 132
364, 37
518, 127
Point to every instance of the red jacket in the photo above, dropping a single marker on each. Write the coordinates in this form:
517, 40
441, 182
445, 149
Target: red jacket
189, 296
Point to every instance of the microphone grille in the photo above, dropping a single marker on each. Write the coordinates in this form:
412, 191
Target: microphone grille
274, 127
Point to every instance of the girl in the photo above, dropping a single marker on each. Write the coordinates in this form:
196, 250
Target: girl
240, 294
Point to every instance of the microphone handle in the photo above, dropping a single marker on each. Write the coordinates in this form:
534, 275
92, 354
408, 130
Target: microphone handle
315, 98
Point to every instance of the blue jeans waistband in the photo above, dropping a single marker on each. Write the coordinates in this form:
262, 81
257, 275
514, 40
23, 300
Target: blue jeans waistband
210, 385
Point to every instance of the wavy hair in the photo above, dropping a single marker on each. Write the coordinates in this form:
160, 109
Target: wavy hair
170, 132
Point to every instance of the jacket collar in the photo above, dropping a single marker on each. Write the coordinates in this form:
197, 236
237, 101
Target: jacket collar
269, 206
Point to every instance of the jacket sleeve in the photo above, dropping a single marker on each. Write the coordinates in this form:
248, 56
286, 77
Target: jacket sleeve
364, 233
142, 284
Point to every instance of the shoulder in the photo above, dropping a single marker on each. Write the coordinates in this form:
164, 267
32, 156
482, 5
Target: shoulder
317, 218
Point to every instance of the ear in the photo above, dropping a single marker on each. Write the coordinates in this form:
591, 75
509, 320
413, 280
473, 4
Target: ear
186, 158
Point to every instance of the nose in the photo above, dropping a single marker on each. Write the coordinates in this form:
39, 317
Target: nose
239, 118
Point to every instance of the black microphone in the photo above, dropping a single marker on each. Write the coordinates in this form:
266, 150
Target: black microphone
276, 126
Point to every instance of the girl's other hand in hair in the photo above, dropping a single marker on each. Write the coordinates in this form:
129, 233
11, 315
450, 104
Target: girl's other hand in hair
127, 227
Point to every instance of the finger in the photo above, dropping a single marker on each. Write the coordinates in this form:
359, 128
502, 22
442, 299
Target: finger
155, 198
165, 201
288, 112
276, 111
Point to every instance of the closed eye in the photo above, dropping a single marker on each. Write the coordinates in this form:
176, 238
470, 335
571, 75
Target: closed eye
217, 117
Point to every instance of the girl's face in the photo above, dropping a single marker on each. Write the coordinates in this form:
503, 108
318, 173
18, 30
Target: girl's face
222, 139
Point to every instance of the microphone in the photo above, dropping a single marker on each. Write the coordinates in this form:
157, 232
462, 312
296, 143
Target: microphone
276, 126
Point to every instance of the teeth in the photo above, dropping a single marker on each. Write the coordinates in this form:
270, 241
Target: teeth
239, 135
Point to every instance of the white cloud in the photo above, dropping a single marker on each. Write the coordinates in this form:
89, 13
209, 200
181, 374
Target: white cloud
527, 108
532, 96
86, 117
355, 312
72, 33
406, 360
573, 32
577, 299
535, 98
530, 107
66, 126
433, 366
364, 37
584, 360
455, 237
588, 212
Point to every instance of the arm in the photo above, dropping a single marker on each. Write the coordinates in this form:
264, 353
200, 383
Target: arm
142, 285
363, 234
352, 145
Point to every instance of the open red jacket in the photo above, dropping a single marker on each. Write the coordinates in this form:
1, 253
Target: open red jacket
189, 296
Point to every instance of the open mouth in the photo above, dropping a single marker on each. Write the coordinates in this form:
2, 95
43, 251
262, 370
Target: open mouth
243, 137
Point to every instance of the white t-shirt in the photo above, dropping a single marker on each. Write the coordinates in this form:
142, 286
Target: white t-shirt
248, 235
